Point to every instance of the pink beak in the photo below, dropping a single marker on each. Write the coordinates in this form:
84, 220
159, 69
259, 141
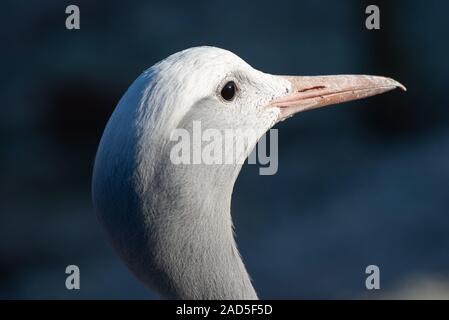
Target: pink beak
318, 91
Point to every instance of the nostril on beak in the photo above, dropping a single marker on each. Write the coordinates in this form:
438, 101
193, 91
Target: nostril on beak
312, 88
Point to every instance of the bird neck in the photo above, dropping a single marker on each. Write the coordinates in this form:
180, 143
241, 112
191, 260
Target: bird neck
190, 233
170, 223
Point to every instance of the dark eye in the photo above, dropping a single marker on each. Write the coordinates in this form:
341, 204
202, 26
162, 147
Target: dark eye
228, 91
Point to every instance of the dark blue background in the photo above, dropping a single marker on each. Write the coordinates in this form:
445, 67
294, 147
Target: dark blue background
358, 184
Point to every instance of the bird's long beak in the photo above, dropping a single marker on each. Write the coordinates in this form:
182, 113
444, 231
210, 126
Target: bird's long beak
318, 91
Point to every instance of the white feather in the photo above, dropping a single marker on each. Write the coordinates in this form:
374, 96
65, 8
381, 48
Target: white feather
172, 223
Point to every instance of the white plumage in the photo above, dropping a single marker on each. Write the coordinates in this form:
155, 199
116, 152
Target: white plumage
171, 223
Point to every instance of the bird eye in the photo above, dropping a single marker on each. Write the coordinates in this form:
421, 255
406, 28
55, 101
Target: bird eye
228, 91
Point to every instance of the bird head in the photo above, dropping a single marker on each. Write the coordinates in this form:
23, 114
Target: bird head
219, 89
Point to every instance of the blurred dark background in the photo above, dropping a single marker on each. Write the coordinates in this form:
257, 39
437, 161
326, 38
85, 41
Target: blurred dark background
358, 184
